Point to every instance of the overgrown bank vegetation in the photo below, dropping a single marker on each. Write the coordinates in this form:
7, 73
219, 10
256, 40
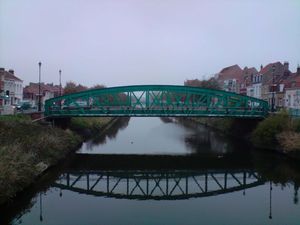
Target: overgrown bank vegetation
89, 127
279, 132
28, 149
228, 126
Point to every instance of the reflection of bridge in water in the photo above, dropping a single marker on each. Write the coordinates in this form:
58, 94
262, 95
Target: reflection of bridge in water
158, 184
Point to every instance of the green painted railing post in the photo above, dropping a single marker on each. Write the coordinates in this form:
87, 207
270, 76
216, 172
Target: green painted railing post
147, 99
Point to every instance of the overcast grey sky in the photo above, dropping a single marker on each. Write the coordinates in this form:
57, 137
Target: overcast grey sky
124, 42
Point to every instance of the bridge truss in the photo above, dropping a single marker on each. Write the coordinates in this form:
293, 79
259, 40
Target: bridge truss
156, 100
158, 185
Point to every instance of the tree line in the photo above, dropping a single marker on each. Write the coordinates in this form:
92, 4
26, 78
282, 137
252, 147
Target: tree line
212, 83
72, 87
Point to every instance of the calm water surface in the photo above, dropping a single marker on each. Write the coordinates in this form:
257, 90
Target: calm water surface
153, 136
104, 184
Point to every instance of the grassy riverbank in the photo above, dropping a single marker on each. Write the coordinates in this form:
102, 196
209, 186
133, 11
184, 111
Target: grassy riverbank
28, 149
228, 126
278, 132
89, 127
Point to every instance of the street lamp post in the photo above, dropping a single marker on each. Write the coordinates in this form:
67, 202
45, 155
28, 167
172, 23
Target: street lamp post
59, 82
40, 105
41, 208
270, 207
273, 88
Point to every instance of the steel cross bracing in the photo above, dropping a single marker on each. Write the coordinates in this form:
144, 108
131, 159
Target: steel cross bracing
156, 100
158, 185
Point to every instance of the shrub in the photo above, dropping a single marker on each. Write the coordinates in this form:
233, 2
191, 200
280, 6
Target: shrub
289, 141
91, 125
265, 133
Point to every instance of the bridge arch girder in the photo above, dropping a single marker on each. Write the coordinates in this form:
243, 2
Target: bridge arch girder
156, 100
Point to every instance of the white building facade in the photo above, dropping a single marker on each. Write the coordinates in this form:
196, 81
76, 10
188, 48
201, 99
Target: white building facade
230, 85
292, 98
11, 91
254, 90
13, 88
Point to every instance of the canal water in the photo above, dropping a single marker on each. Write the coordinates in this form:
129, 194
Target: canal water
163, 171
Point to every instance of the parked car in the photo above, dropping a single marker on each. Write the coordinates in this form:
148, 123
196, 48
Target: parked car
22, 106
16, 107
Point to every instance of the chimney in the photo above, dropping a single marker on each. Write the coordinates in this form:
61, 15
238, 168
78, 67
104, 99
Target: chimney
298, 70
286, 66
11, 71
261, 67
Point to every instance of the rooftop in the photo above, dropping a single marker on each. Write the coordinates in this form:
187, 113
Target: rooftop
9, 75
231, 72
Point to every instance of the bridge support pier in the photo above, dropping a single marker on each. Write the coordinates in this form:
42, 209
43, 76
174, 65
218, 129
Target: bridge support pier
243, 126
63, 122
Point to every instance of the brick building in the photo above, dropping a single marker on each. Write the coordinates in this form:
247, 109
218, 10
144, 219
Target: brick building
248, 84
274, 77
230, 78
292, 91
31, 92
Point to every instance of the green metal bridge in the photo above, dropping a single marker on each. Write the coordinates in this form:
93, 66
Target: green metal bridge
156, 101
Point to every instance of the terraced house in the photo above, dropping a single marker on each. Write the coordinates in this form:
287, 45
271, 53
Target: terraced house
2, 95
47, 91
230, 78
274, 77
249, 84
274, 83
11, 90
292, 91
